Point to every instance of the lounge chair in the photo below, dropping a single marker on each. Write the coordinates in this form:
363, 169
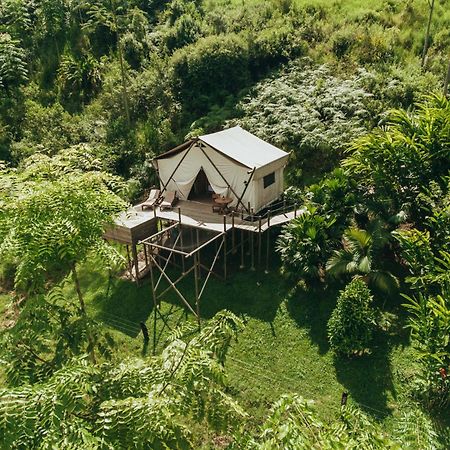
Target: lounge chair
170, 199
152, 200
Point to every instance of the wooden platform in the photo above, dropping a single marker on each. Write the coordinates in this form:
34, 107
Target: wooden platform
137, 224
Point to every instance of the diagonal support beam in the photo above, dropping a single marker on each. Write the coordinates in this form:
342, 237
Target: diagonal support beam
183, 299
210, 270
167, 260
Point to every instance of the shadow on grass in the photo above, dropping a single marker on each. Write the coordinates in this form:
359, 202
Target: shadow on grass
311, 310
246, 293
368, 379
125, 307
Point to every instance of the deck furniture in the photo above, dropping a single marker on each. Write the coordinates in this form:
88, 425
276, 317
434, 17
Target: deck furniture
222, 203
152, 200
170, 200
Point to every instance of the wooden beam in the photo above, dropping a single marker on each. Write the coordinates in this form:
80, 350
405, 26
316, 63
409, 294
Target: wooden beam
210, 270
176, 168
183, 299
135, 261
223, 178
245, 189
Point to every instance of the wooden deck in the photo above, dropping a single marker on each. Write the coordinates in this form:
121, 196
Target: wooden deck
200, 215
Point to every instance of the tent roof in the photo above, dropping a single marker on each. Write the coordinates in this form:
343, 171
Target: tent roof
243, 147
239, 145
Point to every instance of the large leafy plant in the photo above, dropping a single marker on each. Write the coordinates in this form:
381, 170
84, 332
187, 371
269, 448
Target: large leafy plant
395, 164
310, 111
430, 330
304, 244
137, 403
360, 256
351, 325
293, 423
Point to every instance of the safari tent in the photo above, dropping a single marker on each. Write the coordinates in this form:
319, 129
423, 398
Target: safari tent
232, 163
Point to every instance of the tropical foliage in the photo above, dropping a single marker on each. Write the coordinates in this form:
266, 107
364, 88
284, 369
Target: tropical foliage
91, 91
133, 404
310, 111
361, 249
351, 324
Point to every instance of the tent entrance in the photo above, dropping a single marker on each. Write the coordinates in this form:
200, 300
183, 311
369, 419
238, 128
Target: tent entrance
201, 190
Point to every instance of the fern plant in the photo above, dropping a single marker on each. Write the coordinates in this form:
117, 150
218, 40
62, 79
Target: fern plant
137, 403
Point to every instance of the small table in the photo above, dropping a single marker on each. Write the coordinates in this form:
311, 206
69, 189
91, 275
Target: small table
223, 202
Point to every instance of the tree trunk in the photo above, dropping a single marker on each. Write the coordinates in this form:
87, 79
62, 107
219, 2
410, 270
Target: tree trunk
78, 289
124, 84
447, 80
83, 310
427, 35
122, 66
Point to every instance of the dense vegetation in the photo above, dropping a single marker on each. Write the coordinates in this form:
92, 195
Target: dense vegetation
90, 91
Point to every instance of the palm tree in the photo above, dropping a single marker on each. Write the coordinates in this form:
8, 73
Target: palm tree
359, 254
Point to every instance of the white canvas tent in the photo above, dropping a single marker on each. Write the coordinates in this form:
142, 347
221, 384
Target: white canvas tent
236, 164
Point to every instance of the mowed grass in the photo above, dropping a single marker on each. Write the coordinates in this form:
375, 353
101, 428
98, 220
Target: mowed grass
283, 347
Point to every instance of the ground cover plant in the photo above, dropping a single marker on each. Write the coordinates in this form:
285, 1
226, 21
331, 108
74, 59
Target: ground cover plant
344, 342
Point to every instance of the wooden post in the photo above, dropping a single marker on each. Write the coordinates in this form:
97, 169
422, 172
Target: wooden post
135, 260
259, 241
145, 255
295, 210
176, 168
242, 249
252, 250
183, 269
223, 178
155, 306
233, 234
247, 183
224, 246
198, 253
129, 262
144, 331
268, 219
224, 240
196, 277
267, 250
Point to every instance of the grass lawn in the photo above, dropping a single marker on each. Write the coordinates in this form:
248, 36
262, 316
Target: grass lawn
283, 347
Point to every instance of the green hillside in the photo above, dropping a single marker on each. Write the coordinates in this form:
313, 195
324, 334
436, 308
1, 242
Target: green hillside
354, 311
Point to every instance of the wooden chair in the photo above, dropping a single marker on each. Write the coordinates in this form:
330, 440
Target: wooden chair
170, 200
152, 200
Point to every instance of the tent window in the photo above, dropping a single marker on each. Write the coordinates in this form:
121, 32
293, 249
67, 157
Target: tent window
269, 179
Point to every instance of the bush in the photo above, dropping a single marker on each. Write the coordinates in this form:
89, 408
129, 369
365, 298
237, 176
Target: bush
207, 71
310, 111
274, 46
305, 243
351, 324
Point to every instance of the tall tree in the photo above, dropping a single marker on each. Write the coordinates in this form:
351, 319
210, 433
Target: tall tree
50, 223
114, 15
137, 403
426, 43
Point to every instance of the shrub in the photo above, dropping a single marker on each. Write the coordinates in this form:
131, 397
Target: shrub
274, 46
207, 71
352, 322
304, 244
309, 111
